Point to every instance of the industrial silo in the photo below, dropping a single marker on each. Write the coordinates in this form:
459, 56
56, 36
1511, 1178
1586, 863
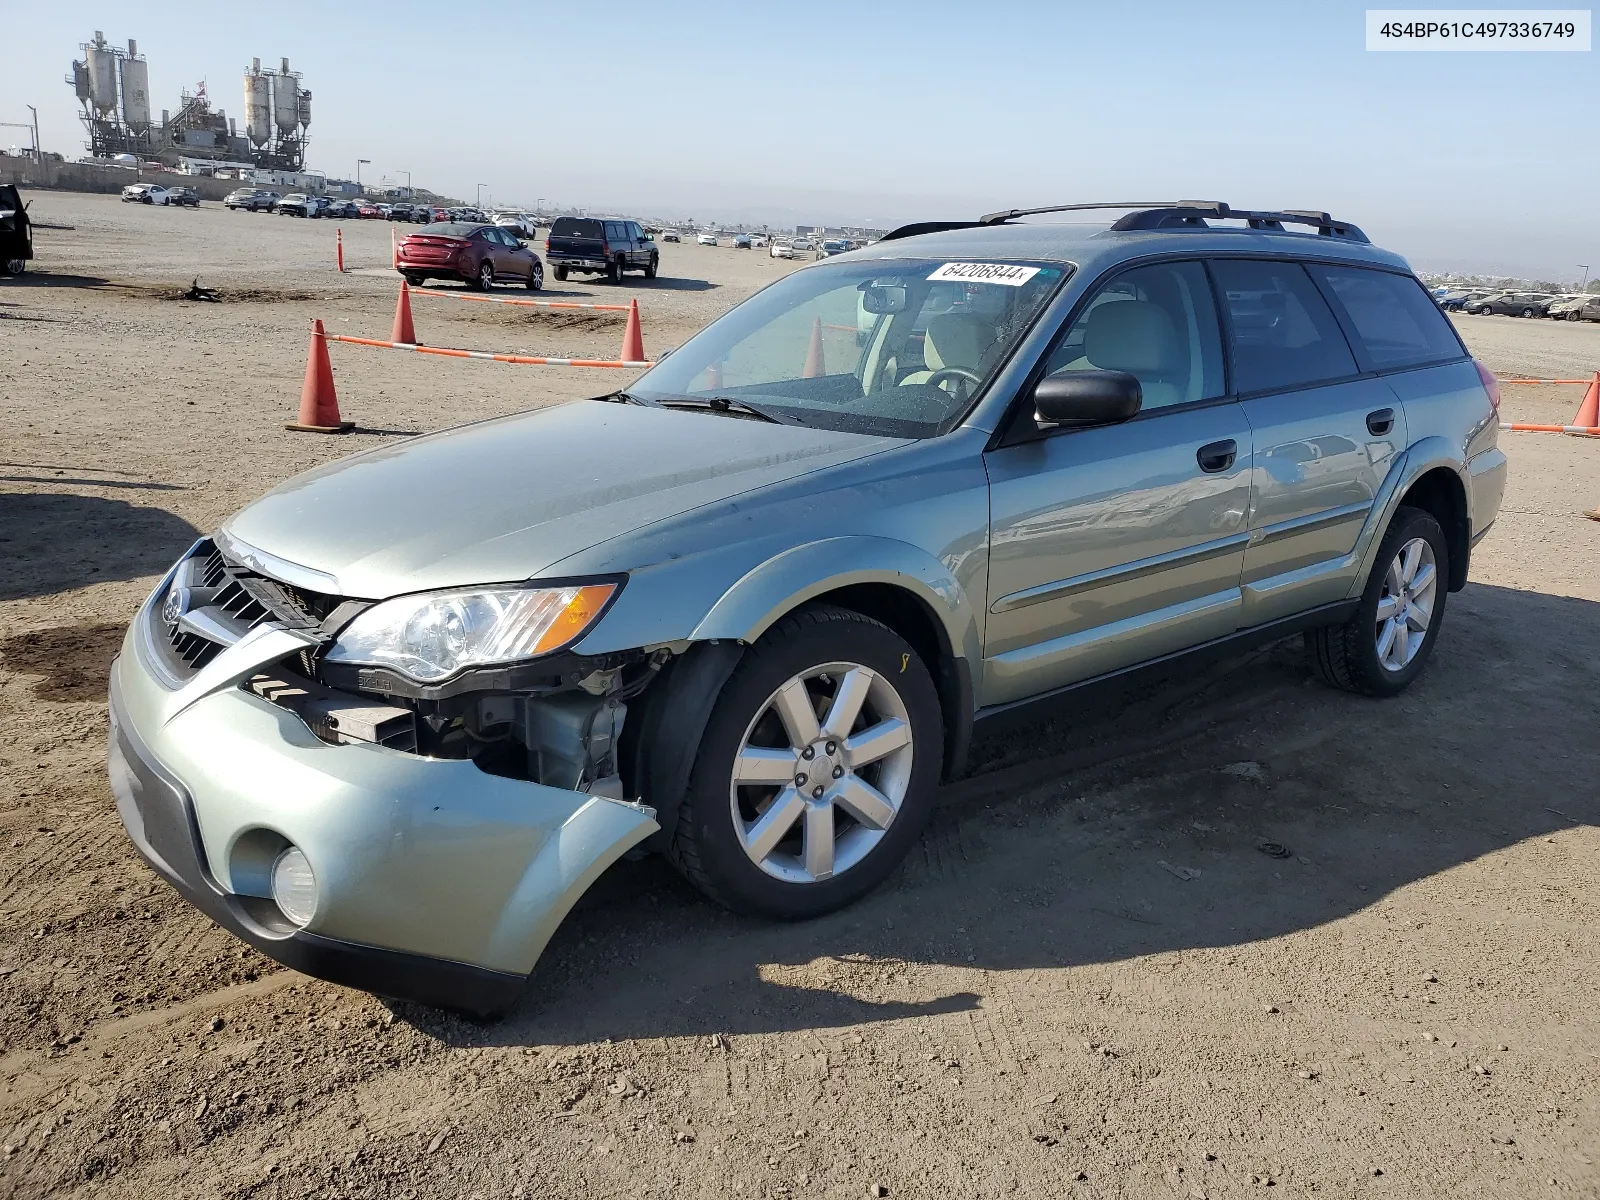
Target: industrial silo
257, 105
102, 76
135, 91
286, 100
305, 109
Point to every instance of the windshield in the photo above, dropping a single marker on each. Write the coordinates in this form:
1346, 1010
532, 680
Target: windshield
896, 347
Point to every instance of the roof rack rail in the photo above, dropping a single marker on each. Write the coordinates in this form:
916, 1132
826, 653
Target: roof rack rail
1156, 214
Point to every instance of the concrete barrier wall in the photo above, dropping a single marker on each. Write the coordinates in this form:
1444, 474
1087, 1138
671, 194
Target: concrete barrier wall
84, 177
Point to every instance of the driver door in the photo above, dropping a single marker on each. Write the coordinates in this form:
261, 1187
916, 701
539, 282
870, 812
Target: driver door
1118, 544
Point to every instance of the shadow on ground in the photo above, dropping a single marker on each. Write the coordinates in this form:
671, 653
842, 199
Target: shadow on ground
54, 542
1131, 832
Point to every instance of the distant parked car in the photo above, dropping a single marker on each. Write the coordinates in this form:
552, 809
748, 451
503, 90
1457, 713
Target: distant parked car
366, 211
801, 243
830, 248
670, 235
781, 250
144, 193
1516, 304
254, 199
706, 239
183, 195
1544, 309
1455, 301
298, 204
1575, 308
483, 255
741, 242
519, 224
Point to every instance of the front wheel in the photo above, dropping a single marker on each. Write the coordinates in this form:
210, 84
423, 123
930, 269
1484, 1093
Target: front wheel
1381, 649
16, 266
655, 266
536, 277
816, 771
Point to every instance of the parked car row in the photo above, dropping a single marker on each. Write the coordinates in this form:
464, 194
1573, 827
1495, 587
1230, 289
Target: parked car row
154, 193
1570, 306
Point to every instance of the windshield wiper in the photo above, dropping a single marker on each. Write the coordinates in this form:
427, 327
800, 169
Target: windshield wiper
628, 398
727, 405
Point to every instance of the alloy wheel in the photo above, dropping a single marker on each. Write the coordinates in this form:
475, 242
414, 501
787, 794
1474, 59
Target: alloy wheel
821, 772
486, 276
1405, 606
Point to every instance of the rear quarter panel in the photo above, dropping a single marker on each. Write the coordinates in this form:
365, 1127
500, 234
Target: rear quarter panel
1449, 403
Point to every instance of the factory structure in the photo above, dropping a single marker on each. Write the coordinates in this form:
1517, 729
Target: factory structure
113, 87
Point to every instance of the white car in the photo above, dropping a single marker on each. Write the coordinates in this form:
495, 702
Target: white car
801, 243
517, 223
781, 250
144, 193
707, 239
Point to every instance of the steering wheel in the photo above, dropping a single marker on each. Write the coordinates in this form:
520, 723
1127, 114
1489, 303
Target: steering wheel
943, 373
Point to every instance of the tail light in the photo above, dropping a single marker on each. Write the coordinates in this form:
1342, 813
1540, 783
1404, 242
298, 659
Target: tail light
1490, 384
547, 245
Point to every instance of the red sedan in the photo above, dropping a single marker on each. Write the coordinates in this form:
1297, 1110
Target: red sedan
483, 255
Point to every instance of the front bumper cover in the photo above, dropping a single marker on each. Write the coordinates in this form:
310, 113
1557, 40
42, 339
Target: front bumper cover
437, 882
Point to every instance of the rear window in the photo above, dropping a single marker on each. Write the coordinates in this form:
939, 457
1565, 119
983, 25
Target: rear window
1396, 324
584, 227
456, 229
1282, 334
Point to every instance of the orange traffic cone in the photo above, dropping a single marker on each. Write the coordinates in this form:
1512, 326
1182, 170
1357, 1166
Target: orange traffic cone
815, 367
1589, 411
632, 338
403, 330
319, 407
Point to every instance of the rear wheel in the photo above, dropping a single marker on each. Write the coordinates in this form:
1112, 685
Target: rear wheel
816, 771
560, 274
415, 278
1527, 312
15, 266
1381, 649
614, 270
485, 277
536, 277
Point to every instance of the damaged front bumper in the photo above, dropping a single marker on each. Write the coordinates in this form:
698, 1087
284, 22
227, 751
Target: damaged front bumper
434, 880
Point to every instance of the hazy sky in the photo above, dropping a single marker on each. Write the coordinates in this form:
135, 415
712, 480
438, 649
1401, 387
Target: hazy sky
890, 111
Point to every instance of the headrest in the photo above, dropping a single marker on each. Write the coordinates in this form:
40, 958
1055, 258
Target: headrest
955, 340
1131, 335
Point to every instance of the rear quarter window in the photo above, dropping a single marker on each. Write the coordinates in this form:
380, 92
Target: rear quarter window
1394, 321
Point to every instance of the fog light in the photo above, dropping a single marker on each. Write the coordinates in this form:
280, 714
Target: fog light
294, 887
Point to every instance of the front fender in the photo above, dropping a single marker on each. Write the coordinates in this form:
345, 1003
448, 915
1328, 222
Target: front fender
782, 583
1411, 465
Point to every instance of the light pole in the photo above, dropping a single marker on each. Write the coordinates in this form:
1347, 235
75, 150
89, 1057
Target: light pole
407, 174
540, 209
1585, 267
359, 163
481, 186
38, 153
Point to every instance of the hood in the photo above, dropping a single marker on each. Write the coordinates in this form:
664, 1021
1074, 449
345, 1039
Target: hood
506, 499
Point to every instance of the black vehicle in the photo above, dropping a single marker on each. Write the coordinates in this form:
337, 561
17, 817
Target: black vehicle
183, 195
600, 247
399, 212
16, 232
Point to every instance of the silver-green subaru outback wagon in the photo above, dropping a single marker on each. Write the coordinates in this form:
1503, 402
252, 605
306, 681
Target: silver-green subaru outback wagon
388, 722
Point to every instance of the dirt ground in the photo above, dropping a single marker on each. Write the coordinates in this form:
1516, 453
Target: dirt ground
1088, 980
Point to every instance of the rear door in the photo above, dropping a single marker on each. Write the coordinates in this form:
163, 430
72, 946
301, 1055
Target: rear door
1325, 436
1118, 544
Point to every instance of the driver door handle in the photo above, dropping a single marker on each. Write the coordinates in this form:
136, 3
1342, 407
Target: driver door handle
1216, 456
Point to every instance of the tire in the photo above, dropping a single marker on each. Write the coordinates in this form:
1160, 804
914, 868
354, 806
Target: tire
484, 279
614, 271
536, 277
14, 266
1574, 316
1347, 656
415, 278
783, 879
560, 273
655, 266
1527, 312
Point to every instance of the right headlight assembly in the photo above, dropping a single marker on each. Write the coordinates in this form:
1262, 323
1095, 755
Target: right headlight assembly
432, 635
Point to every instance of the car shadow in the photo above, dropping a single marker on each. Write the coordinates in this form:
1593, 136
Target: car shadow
1218, 810
45, 279
54, 542
663, 283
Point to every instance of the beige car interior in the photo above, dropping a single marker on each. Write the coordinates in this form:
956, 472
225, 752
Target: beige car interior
953, 340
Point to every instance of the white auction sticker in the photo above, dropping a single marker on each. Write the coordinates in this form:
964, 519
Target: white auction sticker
1478, 29
1007, 273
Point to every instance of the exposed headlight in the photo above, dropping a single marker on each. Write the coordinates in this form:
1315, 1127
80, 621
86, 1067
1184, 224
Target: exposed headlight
294, 887
428, 637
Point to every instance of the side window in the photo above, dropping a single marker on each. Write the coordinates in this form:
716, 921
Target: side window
616, 232
1282, 333
1157, 323
1395, 323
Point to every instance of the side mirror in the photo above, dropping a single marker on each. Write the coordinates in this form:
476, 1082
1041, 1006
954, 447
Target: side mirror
1080, 398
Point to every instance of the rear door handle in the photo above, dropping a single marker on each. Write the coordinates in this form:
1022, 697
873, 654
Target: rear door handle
1380, 422
1216, 456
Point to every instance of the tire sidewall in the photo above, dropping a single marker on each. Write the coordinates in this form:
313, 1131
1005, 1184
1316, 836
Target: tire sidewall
1409, 523
741, 883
